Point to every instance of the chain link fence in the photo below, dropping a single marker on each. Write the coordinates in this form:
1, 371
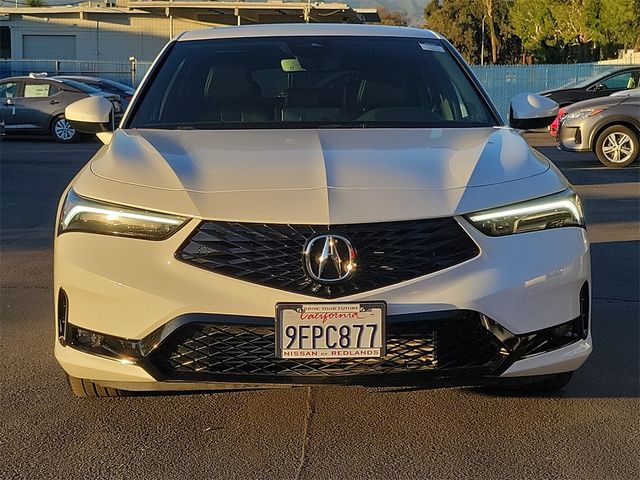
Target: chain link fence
502, 82
130, 73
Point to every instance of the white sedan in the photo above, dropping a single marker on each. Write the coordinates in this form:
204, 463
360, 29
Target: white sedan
317, 204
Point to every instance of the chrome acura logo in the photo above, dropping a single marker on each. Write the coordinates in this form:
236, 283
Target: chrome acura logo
329, 259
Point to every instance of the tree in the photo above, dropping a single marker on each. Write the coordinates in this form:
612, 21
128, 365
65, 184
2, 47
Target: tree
576, 30
551, 29
36, 3
636, 23
488, 11
461, 22
392, 17
535, 24
614, 21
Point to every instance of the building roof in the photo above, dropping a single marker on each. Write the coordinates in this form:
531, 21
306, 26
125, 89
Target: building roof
301, 29
314, 11
248, 10
44, 11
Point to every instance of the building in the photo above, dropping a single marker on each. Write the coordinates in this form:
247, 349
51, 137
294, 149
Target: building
122, 29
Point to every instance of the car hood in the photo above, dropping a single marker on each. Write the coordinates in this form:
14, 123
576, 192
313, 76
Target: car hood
547, 93
601, 102
312, 175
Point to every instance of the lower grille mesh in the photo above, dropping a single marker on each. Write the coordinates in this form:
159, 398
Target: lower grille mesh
197, 351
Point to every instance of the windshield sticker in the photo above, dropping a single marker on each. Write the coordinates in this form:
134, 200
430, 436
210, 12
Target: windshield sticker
430, 47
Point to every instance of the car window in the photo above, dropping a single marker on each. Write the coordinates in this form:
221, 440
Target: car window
117, 86
36, 90
623, 80
80, 86
306, 82
103, 87
8, 90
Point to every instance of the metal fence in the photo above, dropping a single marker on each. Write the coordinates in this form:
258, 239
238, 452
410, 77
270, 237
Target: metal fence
126, 72
502, 82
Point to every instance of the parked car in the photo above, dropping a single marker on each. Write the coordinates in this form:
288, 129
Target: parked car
608, 126
36, 104
632, 92
125, 92
553, 128
309, 204
602, 86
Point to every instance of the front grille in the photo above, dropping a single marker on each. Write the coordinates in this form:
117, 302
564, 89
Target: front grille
212, 351
271, 254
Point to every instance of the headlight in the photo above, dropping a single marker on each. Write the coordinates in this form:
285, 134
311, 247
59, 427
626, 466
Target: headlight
563, 209
586, 113
81, 214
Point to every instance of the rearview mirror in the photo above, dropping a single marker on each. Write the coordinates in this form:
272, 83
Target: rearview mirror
530, 111
91, 115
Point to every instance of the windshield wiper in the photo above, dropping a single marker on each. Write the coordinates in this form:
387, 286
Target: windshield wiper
342, 125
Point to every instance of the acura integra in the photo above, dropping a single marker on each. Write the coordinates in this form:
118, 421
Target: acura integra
317, 204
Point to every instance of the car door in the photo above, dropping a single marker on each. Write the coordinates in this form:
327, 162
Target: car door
9, 91
36, 106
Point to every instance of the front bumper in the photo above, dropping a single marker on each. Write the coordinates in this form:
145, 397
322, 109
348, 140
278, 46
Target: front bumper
573, 135
449, 346
126, 376
524, 283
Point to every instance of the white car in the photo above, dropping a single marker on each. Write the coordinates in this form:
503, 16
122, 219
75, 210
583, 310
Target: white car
313, 204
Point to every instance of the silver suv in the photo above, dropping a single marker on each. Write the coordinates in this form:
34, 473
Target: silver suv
608, 126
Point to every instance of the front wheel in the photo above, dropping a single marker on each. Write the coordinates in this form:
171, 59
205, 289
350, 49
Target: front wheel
86, 388
617, 146
63, 132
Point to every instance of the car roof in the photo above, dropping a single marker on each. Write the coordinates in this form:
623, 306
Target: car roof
27, 77
79, 77
304, 29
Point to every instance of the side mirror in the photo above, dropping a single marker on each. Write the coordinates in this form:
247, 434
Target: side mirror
529, 111
600, 86
91, 115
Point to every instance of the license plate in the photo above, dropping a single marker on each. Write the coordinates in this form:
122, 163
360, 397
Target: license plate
330, 330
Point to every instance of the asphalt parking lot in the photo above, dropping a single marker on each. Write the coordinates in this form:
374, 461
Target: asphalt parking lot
589, 430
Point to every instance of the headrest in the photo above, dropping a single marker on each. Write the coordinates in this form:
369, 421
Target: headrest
231, 85
379, 94
301, 97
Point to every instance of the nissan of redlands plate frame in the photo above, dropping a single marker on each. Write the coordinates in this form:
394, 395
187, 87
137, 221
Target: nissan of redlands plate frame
330, 330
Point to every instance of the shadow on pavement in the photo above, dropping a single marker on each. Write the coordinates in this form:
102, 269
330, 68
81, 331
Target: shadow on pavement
586, 169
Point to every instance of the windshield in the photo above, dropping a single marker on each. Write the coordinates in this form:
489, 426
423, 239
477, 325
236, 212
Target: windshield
83, 87
117, 86
310, 82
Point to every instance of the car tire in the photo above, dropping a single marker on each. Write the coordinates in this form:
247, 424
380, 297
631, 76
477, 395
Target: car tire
86, 388
62, 131
617, 146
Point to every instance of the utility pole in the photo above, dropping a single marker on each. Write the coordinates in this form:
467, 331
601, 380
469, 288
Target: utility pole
482, 44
